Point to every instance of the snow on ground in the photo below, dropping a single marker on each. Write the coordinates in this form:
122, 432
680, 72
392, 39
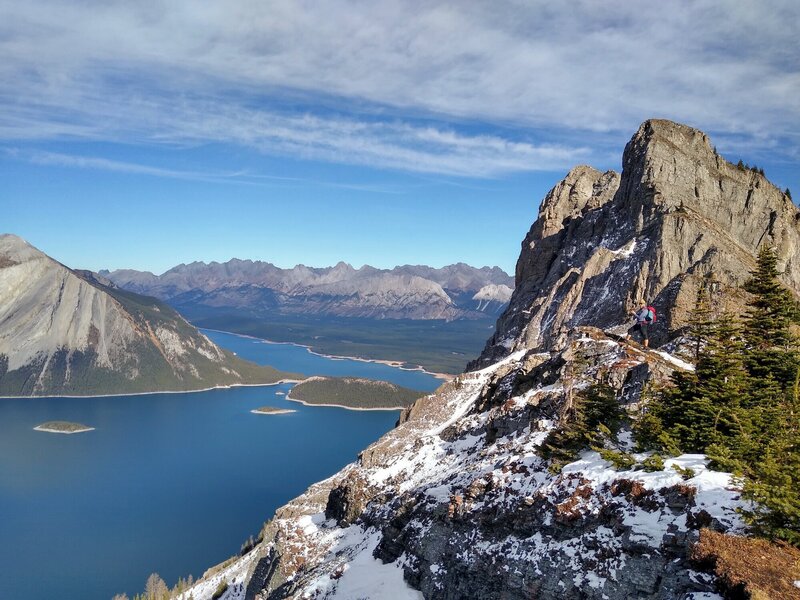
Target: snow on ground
450, 452
681, 364
367, 577
235, 574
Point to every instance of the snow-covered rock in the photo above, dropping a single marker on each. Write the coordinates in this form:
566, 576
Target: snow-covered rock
458, 496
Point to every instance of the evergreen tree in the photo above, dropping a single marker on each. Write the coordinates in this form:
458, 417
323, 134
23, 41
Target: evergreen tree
701, 409
741, 404
774, 487
767, 325
155, 588
592, 420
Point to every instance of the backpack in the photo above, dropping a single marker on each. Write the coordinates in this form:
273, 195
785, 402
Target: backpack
651, 315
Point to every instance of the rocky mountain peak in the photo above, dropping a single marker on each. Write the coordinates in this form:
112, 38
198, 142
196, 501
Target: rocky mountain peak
14, 248
604, 242
72, 332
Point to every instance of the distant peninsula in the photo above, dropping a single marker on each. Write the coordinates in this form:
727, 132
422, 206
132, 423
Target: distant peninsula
63, 427
272, 410
353, 393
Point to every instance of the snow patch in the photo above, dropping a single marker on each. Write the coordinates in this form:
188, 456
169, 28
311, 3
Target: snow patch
367, 577
681, 364
626, 250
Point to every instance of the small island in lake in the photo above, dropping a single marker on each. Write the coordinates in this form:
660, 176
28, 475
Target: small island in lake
63, 427
352, 392
272, 410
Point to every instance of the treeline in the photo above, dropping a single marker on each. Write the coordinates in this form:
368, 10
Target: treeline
156, 589
353, 393
743, 166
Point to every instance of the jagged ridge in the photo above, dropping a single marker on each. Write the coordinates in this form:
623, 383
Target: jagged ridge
409, 291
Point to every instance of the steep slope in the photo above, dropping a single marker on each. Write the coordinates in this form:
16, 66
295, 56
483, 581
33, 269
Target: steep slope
408, 292
69, 332
604, 242
458, 499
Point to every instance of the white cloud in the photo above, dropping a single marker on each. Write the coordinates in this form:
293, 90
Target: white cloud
399, 84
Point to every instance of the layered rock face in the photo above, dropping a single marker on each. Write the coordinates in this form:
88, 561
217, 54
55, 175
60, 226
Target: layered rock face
457, 501
68, 332
603, 243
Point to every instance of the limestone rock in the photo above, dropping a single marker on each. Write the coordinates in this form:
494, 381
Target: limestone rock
603, 242
68, 332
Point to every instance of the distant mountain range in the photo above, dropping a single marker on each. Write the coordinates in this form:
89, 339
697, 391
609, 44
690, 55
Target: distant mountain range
456, 291
69, 332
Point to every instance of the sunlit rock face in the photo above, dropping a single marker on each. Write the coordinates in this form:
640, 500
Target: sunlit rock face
70, 332
603, 242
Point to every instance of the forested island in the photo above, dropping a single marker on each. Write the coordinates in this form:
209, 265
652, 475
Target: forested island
271, 410
352, 392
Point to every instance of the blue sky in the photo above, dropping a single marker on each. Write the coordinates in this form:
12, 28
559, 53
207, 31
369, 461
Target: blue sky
147, 134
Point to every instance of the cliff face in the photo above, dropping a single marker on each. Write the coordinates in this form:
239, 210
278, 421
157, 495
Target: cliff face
457, 502
603, 242
69, 332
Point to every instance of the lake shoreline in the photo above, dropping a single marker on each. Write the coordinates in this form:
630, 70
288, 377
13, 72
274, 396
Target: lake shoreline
390, 363
64, 431
207, 389
314, 404
274, 411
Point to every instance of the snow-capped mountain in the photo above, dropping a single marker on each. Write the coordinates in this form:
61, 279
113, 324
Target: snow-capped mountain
70, 332
458, 502
492, 298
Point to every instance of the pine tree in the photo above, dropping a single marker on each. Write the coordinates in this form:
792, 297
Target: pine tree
592, 421
774, 487
767, 325
741, 404
701, 409
773, 362
155, 588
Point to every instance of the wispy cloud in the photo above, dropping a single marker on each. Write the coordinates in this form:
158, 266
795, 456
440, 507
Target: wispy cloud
96, 163
399, 85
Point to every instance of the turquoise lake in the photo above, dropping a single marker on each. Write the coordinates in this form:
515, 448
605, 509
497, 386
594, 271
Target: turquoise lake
167, 483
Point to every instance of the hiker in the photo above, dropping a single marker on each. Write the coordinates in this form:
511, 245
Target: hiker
645, 317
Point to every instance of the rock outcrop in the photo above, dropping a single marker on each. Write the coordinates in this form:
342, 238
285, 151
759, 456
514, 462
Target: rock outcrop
457, 501
68, 332
603, 242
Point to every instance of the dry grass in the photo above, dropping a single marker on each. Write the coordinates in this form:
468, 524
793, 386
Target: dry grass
750, 567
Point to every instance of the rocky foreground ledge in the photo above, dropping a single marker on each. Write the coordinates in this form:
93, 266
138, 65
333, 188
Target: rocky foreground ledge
457, 502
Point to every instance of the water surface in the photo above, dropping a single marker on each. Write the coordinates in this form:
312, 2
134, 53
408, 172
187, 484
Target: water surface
171, 483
